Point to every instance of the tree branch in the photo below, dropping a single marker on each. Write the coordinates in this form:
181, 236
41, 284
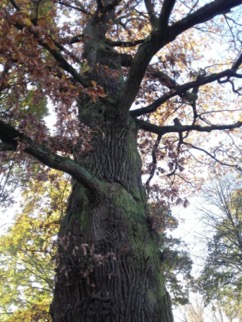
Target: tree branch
158, 38
163, 78
136, 72
81, 8
149, 127
207, 12
63, 63
182, 89
166, 10
125, 43
151, 12
212, 156
6, 147
237, 63
110, 5
152, 107
154, 162
12, 137
49, 44
14, 4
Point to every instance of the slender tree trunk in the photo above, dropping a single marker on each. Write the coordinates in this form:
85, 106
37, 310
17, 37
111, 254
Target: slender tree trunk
108, 259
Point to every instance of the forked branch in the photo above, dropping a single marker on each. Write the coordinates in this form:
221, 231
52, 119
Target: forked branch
160, 37
213, 156
179, 90
49, 44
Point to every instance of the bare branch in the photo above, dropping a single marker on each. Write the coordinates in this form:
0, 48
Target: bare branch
165, 13
152, 107
118, 43
75, 39
149, 127
14, 4
80, 8
125, 43
237, 63
207, 12
191, 8
182, 89
151, 12
212, 156
154, 161
162, 77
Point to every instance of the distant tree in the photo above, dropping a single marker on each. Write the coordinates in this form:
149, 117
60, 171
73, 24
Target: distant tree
176, 263
198, 311
27, 252
121, 78
221, 277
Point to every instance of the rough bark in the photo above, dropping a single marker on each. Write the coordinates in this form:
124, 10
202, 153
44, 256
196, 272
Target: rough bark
108, 266
108, 259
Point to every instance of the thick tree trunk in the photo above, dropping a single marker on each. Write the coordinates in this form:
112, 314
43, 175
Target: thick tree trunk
108, 266
108, 260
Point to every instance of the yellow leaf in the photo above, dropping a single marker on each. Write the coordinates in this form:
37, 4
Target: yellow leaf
27, 22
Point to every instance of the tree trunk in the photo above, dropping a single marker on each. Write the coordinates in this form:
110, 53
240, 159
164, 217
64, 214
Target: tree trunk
108, 266
108, 260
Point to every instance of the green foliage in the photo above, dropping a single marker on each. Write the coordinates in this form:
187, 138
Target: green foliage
176, 263
176, 266
34, 105
27, 252
221, 278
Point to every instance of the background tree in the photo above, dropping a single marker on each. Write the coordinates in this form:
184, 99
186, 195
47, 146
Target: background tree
95, 61
176, 262
198, 311
27, 252
221, 277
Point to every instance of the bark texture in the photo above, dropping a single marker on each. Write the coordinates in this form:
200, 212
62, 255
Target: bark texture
108, 266
108, 260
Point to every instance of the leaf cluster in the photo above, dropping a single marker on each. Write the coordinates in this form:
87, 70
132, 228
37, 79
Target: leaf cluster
221, 277
27, 252
176, 263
